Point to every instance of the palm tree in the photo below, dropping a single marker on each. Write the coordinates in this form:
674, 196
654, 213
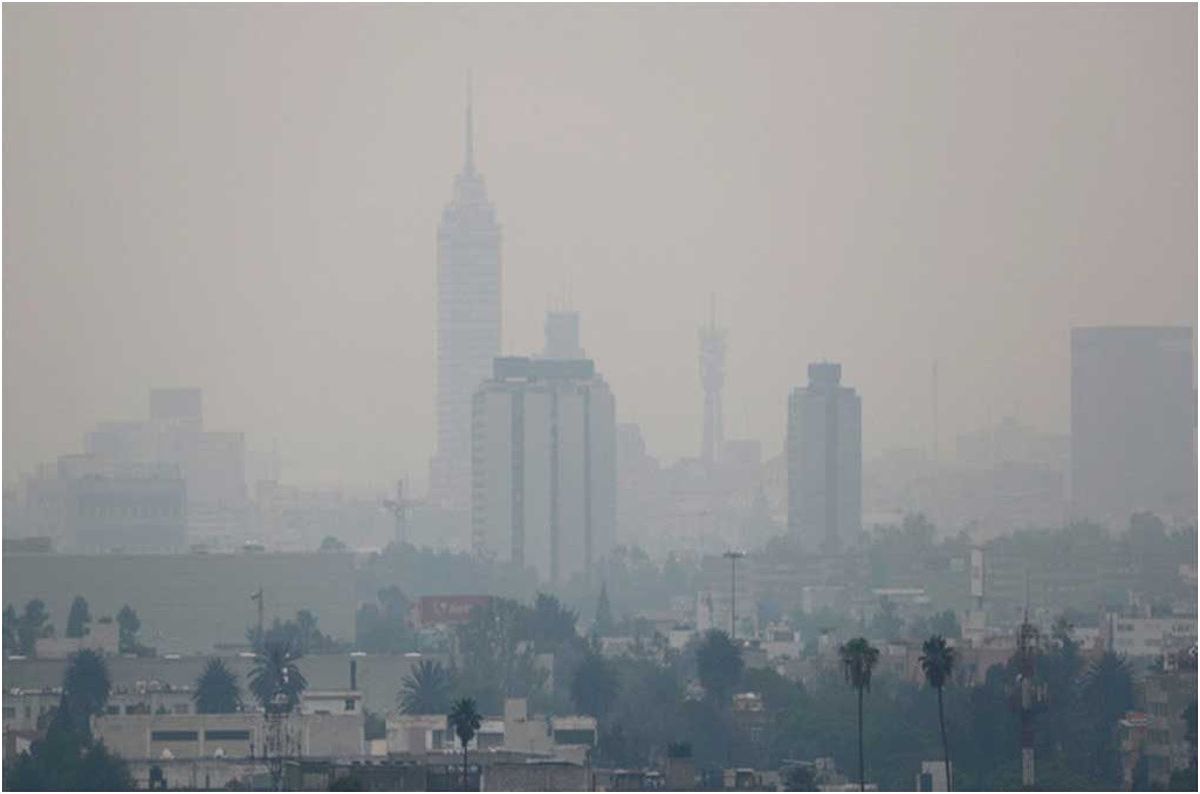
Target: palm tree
426, 689
216, 690
465, 721
937, 661
276, 682
859, 657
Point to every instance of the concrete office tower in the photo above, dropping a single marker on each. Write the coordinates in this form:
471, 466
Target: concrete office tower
1133, 423
712, 379
562, 335
544, 466
824, 456
468, 331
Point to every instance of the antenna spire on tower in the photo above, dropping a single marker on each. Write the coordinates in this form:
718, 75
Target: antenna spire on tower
470, 139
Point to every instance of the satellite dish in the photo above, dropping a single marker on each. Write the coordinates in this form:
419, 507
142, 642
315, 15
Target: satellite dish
167, 754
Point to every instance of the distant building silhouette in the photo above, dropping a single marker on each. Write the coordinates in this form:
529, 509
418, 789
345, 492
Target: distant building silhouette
544, 466
712, 380
562, 335
469, 323
140, 484
824, 456
1133, 423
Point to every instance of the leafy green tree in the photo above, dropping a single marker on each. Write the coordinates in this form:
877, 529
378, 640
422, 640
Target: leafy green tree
302, 634
464, 720
275, 680
12, 642
309, 638
549, 624
86, 686
887, 624
384, 627
128, 626
646, 715
945, 624
1106, 693
719, 665
330, 543
78, 618
1185, 779
594, 685
858, 658
426, 689
937, 662
216, 690
34, 624
603, 624
65, 760
498, 656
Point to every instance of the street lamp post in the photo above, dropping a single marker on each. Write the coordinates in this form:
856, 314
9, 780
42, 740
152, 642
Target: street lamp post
733, 556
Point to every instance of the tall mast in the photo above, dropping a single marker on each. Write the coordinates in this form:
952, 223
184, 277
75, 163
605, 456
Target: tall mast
470, 137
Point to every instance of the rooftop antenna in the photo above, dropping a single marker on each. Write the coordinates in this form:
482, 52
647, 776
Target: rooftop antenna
470, 139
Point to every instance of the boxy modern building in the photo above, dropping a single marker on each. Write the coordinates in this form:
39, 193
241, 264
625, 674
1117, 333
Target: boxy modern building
544, 466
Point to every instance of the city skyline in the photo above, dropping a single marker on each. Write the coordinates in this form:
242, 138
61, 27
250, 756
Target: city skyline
606, 397
983, 263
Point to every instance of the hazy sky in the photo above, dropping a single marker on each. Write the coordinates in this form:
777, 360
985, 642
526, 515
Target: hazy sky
246, 199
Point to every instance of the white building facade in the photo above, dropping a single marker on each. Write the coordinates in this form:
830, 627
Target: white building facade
468, 325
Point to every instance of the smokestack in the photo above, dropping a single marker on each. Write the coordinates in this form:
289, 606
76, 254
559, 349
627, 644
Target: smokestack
353, 674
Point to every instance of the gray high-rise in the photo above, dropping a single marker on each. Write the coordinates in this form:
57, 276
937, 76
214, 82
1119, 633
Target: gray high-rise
824, 457
544, 469
1133, 423
468, 330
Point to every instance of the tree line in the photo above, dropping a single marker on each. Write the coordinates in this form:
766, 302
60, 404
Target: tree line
23, 630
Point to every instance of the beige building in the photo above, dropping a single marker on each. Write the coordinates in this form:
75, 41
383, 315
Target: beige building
566, 738
102, 637
234, 736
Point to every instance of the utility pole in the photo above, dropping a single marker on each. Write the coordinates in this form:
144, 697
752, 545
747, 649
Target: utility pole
258, 596
733, 556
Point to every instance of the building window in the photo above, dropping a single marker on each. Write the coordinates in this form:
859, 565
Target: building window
227, 735
173, 736
349, 704
10, 712
574, 737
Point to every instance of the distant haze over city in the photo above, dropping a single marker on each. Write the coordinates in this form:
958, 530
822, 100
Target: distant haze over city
246, 200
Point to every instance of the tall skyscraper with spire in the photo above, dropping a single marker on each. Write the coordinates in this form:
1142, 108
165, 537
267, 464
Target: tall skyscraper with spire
469, 325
